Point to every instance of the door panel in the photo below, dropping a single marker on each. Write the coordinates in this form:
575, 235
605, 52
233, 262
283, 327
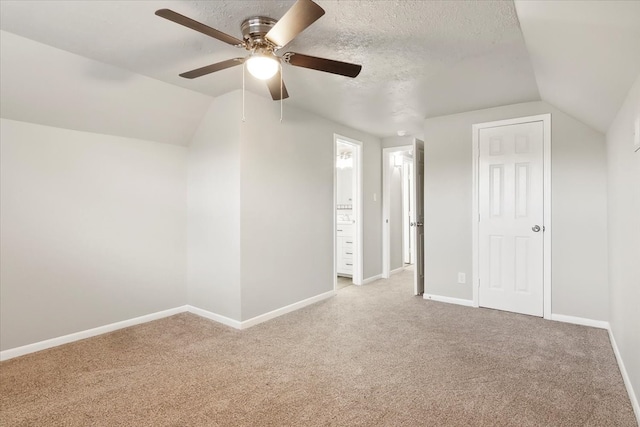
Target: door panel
510, 197
418, 230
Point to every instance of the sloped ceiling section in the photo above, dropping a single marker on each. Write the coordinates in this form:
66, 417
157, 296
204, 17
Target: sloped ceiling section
49, 86
420, 58
585, 54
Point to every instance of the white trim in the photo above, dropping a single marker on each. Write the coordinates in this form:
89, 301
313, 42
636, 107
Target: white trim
601, 324
335, 214
386, 207
215, 317
286, 309
546, 119
372, 279
449, 300
548, 229
625, 376
358, 208
65, 339
396, 271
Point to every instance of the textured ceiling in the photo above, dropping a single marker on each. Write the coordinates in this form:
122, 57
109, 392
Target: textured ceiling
420, 58
586, 54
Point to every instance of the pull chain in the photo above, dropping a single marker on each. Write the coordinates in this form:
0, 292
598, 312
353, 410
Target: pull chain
243, 67
281, 94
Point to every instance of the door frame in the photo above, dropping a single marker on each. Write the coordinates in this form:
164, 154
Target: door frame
546, 177
358, 263
386, 206
408, 194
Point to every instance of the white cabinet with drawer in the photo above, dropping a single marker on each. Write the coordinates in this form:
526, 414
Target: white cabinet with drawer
344, 249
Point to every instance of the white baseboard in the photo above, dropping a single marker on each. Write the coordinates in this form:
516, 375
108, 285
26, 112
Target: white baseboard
601, 324
65, 339
450, 300
580, 321
625, 377
286, 309
215, 317
397, 270
372, 279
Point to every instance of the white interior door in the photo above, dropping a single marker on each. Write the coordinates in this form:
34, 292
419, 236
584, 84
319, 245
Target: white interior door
511, 208
408, 192
418, 229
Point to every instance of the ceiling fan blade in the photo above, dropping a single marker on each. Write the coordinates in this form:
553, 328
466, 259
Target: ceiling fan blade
199, 72
321, 64
274, 87
302, 14
198, 26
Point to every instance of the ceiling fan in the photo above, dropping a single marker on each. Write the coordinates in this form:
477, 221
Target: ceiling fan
263, 37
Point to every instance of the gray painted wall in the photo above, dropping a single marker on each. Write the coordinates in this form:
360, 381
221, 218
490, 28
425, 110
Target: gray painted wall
372, 207
261, 208
213, 198
397, 141
395, 218
93, 230
624, 234
579, 203
344, 186
287, 172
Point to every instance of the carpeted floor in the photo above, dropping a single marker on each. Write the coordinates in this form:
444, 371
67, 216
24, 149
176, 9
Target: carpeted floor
371, 356
343, 282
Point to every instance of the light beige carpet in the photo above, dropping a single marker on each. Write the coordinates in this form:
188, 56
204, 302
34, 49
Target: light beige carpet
343, 282
373, 355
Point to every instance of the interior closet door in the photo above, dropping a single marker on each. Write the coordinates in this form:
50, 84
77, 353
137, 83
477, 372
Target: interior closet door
511, 207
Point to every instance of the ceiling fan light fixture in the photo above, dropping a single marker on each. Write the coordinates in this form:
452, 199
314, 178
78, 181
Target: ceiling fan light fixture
262, 66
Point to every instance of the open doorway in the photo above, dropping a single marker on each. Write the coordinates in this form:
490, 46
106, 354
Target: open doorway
403, 211
407, 189
347, 212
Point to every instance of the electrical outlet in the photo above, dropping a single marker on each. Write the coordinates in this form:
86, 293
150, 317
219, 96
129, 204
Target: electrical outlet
462, 278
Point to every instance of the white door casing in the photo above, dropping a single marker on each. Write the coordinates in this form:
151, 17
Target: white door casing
418, 229
408, 243
388, 159
358, 229
512, 215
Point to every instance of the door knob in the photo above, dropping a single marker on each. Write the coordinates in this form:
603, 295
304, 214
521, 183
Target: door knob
419, 224
536, 228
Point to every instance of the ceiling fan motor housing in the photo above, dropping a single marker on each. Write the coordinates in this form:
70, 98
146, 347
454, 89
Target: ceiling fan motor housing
263, 37
254, 30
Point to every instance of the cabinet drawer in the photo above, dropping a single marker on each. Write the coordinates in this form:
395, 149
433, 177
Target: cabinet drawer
346, 265
347, 253
344, 230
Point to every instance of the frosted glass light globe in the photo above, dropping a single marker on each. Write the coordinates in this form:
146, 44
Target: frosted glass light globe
262, 67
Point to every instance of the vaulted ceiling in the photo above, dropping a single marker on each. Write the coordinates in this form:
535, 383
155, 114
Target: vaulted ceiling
586, 55
420, 58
